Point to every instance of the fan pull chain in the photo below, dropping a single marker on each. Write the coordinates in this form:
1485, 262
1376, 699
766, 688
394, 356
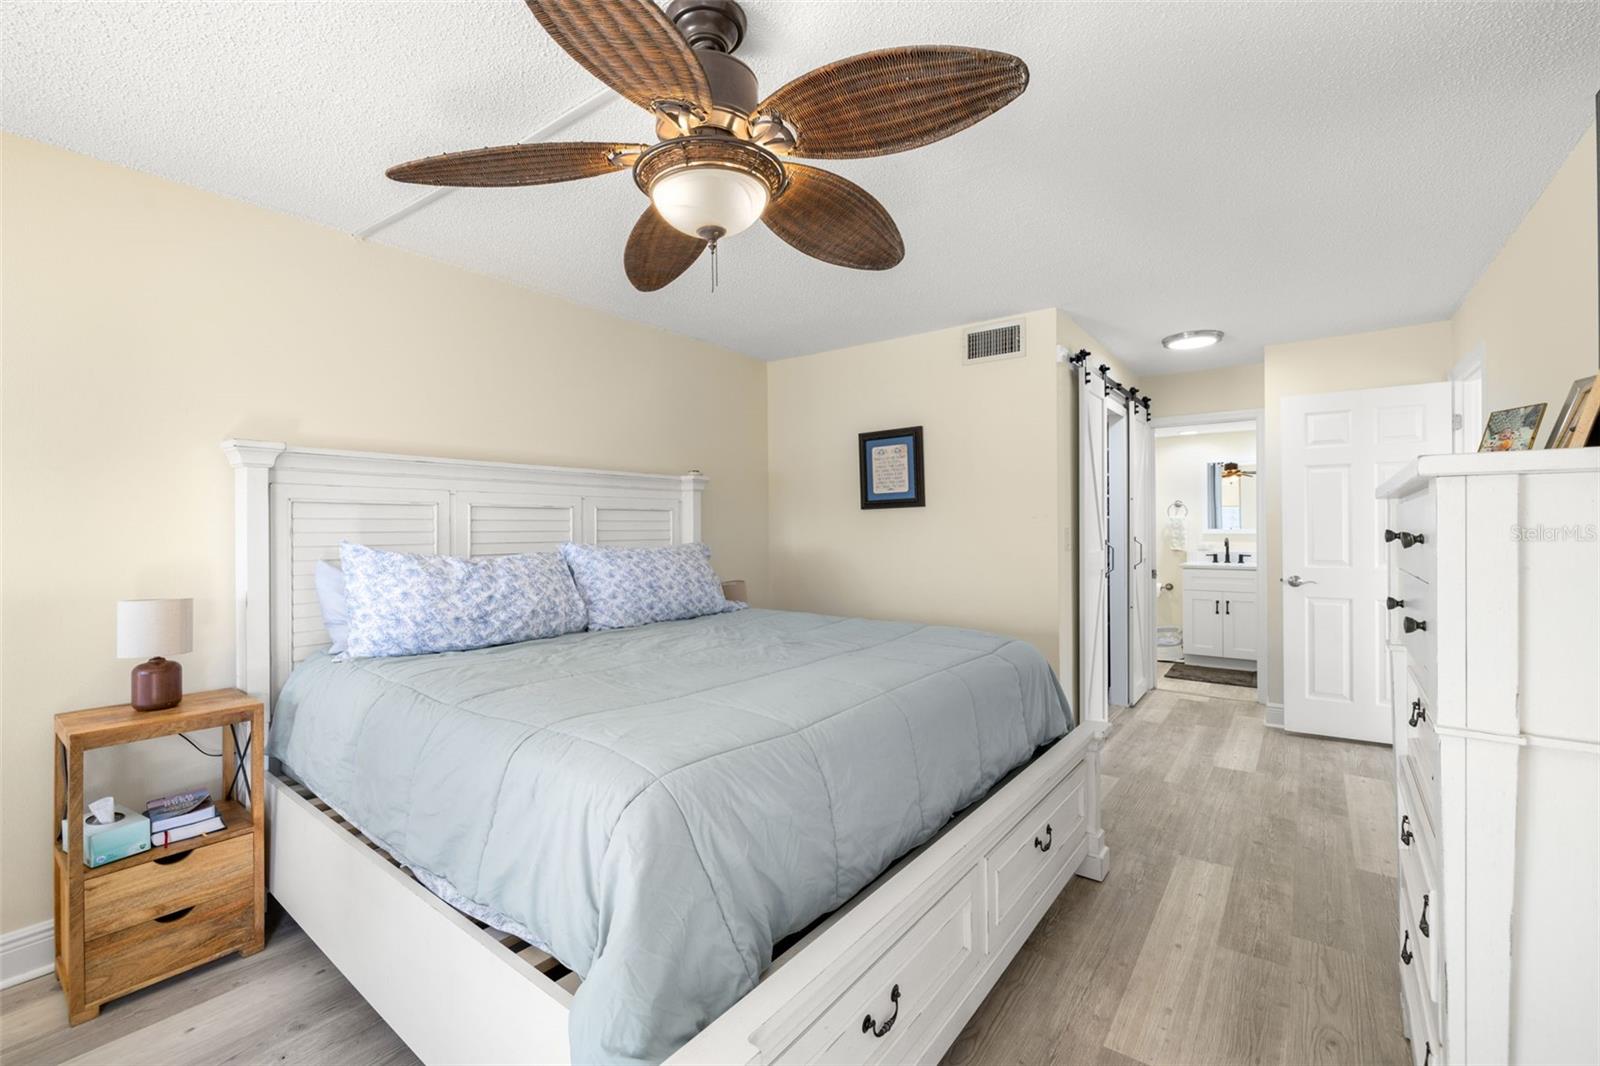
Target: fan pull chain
713, 245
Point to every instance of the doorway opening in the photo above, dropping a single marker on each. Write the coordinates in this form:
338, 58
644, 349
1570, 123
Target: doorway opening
1210, 601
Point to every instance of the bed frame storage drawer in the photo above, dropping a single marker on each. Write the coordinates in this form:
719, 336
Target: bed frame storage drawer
1048, 836
905, 995
128, 897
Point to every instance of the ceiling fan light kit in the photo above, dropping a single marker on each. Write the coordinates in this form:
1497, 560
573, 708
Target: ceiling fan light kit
723, 155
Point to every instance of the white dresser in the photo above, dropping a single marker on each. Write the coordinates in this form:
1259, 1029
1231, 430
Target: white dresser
1494, 647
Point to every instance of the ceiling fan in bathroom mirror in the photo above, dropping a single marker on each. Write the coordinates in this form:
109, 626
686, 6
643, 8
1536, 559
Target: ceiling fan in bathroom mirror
1231, 470
723, 156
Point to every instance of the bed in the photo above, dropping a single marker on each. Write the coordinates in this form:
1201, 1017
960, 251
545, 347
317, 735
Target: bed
653, 809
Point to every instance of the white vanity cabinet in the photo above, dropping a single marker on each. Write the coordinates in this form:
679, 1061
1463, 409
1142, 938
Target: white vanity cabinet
1221, 617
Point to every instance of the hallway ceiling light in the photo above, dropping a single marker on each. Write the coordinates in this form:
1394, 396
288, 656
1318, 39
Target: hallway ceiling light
1192, 340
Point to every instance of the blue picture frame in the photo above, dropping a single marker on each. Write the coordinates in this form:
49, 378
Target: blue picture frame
891, 468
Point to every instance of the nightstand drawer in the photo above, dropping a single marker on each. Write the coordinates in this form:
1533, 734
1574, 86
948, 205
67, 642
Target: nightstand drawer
124, 898
140, 954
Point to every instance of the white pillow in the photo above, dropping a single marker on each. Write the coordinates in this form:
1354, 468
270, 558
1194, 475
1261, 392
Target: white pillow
330, 597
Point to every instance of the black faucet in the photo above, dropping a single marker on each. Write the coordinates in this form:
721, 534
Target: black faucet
1227, 552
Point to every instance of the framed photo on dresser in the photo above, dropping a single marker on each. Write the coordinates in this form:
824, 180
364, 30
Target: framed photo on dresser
891, 468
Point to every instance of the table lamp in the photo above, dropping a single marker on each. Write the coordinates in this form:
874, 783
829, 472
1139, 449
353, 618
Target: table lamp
153, 629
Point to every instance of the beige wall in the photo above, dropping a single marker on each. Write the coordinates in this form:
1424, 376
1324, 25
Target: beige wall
1534, 309
1181, 475
983, 551
1199, 392
1409, 355
146, 321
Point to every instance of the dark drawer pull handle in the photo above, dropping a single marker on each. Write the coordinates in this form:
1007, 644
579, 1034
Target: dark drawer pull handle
1405, 949
1406, 540
175, 915
1049, 834
1406, 835
1427, 1052
1411, 625
1419, 713
1422, 923
880, 1031
1216, 606
1393, 603
168, 860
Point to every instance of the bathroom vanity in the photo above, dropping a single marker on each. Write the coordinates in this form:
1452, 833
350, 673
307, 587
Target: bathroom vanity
1221, 615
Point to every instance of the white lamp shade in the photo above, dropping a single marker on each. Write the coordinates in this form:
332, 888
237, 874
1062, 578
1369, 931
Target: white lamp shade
148, 628
700, 198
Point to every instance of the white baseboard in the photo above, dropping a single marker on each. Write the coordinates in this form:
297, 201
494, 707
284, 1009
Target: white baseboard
1274, 716
27, 953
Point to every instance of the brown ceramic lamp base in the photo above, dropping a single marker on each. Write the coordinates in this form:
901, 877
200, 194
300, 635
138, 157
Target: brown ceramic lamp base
157, 685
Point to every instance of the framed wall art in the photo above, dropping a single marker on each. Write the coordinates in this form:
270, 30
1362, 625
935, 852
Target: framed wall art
891, 468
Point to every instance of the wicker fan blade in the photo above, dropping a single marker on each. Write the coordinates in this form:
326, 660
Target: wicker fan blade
899, 98
517, 164
657, 253
628, 44
834, 220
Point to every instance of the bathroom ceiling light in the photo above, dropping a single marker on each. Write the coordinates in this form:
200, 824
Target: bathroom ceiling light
1191, 340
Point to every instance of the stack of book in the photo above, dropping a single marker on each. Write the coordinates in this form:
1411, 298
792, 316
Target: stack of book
179, 817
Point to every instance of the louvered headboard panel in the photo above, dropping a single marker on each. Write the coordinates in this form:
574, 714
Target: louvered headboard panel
314, 527
503, 524
292, 507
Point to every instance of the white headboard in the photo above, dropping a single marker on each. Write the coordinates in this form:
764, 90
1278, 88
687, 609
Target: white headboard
292, 506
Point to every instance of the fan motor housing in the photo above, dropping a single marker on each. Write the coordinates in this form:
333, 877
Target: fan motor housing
709, 25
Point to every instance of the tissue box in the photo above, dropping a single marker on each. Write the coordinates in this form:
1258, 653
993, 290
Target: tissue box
128, 835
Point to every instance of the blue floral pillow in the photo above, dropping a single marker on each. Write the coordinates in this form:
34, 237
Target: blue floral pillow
624, 587
402, 604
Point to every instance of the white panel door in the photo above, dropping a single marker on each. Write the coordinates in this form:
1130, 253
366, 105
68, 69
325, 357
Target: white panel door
1093, 569
1336, 449
1141, 551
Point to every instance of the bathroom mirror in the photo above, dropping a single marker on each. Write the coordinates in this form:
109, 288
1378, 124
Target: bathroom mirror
1230, 497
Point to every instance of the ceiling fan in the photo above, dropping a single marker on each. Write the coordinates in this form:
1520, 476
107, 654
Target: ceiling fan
723, 155
1234, 470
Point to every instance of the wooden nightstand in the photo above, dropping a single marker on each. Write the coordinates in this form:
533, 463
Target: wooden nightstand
133, 922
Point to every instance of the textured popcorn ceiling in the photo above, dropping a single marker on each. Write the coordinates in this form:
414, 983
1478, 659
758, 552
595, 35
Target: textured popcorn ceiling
1277, 171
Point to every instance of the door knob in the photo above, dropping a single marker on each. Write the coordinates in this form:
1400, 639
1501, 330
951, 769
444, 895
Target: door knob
1294, 581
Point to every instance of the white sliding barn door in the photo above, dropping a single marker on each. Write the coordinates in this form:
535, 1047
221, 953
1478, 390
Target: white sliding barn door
1336, 449
1141, 551
1093, 622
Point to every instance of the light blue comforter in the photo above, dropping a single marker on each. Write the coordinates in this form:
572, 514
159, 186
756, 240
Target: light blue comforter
658, 806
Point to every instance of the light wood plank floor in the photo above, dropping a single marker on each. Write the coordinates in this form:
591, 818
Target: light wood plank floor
1248, 919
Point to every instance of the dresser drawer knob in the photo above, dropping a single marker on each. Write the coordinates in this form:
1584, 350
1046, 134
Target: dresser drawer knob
1049, 833
1406, 835
1419, 713
1422, 923
1406, 540
1411, 625
176, 915
1393, 603
1405, 949
880, 1031
1427, 1053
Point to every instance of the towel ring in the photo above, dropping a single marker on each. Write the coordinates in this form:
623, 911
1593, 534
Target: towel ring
1176, 509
